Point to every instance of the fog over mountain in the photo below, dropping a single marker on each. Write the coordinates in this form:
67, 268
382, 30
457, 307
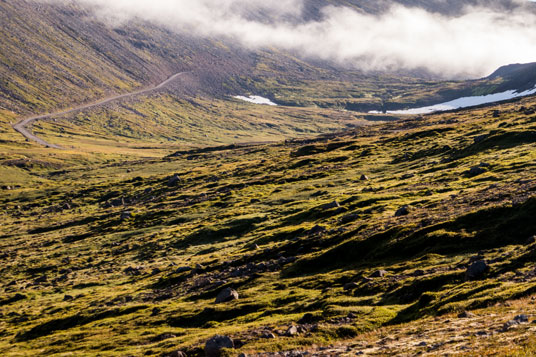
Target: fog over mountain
472, 41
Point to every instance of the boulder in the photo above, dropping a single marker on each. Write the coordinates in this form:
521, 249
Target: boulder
267, 335
215, 345
308, 318
174, 180
522, 319
226, 295
350, 286
466, 315
316, 230
331, 205
402, 211
177, 354
182, 269
126, 215
291, 331
379, 274
475, 171
477, 270
349, 218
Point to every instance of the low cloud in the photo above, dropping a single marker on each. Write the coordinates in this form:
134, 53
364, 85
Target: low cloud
471, 43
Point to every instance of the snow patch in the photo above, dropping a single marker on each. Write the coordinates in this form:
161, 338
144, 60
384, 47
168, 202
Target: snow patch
463, 102
256, 99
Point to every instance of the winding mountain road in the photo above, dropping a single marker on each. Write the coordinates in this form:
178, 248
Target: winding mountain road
23, 125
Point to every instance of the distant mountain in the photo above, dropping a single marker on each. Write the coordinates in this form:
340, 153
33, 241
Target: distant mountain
516, 76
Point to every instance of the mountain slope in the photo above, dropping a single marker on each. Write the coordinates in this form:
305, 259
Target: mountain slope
127, 258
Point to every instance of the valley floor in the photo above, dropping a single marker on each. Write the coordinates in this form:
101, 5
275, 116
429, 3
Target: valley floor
371, 241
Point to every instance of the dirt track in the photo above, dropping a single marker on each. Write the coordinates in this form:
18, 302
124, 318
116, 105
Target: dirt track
22, 125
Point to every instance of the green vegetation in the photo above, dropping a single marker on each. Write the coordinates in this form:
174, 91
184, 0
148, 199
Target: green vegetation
110, 253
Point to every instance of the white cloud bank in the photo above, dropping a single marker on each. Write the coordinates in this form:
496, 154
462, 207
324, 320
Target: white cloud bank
473, 43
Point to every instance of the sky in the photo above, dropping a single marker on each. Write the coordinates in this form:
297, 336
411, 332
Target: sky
471, 44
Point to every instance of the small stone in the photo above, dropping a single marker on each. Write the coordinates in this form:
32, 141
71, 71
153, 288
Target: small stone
215, 345
226, 295
68, 298
364, 178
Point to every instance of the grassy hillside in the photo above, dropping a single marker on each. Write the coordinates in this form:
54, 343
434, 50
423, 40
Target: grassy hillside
362, 240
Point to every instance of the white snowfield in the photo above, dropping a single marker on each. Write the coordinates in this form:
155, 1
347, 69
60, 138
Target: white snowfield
256, 99
463, 102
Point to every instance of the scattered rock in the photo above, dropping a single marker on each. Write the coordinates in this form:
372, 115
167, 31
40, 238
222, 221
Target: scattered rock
182, 269
316, 230
477, 270
349, 218
508, 325
216, 344
291, 331
227, 295
419, 272
308, 318
117, 202
402, 211
174, 180
126, 215
177, 354
163, 337
132, 271
350, 286
480, 138
522, 319
267, 335
331, 205
466, 315
379, 274
475, 171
